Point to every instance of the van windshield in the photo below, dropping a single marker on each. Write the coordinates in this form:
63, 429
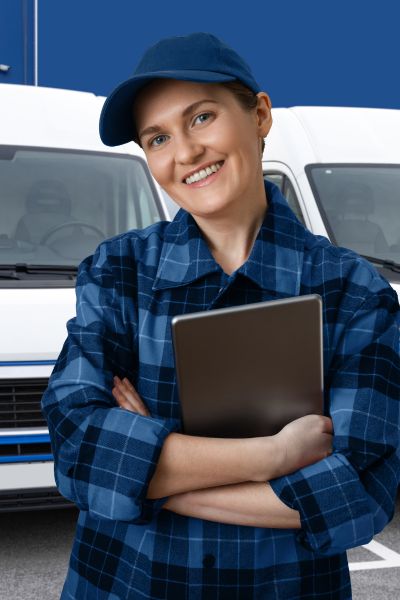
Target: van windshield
56, 206
361, 206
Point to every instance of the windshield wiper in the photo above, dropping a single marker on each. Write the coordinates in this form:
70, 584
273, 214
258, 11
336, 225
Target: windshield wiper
7, 274
387, 264
18, 270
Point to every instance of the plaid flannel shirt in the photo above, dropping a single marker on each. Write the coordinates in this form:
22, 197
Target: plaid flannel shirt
127, 546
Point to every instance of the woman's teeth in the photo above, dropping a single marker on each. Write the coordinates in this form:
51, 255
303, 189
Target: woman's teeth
203, 173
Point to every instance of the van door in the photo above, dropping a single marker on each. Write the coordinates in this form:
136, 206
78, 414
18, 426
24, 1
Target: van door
281, 175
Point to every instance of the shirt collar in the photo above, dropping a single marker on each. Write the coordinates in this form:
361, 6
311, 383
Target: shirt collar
275, 262
185, 255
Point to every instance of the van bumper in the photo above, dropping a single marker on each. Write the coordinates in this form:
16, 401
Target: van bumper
29, 486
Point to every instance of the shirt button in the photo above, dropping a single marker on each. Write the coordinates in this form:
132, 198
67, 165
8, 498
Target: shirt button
208, 561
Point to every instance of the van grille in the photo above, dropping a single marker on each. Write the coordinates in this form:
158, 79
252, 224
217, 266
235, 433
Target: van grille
37, 499
20, 402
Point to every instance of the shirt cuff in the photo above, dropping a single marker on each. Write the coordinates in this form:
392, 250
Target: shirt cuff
117, 458
334, 509
151, 507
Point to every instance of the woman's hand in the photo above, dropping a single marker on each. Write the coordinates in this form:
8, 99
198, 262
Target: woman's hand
128, 398
303, 442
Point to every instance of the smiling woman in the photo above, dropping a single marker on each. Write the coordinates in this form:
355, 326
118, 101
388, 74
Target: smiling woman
173, 516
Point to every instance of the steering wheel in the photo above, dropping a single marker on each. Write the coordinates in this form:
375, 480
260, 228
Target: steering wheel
53, 230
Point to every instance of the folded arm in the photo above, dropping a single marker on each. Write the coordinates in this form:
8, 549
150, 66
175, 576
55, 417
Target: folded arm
250, 503
195, 471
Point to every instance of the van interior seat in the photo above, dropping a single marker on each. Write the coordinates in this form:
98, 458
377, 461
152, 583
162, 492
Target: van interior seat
352, 225
47, 205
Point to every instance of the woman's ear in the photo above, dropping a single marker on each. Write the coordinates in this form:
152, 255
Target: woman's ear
264, 116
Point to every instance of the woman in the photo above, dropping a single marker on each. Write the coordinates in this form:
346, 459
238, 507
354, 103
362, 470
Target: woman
166, 515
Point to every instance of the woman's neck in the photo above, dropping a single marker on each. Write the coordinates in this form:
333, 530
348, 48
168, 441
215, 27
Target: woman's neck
231, 239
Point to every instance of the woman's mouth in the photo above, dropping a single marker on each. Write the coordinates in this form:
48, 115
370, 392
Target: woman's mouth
204, 173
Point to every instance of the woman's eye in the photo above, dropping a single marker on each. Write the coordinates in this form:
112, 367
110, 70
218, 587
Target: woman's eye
157, 141
202, 118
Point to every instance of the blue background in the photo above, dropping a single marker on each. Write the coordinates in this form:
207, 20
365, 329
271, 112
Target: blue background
16, 41
344, 52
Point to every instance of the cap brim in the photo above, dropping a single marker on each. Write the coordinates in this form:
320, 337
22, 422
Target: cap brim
116, 122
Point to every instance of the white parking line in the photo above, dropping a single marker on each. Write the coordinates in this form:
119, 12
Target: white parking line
390, 558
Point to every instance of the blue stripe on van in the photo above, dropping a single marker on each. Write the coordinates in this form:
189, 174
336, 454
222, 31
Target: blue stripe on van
25, 363
28, 438
26, 458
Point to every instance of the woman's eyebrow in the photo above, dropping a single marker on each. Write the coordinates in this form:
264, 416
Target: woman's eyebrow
192, 107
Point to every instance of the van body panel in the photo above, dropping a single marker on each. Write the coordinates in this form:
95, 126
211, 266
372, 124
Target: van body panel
287, 142
33, 323
27, 476
351, 135
26, 369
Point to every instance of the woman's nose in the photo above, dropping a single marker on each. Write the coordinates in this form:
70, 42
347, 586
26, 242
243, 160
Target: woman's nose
187, 149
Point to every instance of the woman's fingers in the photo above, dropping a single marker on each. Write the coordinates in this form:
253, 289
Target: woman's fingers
128, 398
128, 401
124, 396
121, 400
128, 384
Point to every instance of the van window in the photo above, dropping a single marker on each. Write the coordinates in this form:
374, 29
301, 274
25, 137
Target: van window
361, 206
284, 184
56, 206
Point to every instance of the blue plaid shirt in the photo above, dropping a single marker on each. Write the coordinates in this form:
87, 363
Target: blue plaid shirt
127, 546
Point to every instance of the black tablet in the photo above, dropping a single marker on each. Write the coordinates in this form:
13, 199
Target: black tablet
247, 371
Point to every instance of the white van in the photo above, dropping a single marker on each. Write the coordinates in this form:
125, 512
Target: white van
61, 192
339, 169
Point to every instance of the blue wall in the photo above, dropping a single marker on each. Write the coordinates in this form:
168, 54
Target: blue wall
342, 52
16, 41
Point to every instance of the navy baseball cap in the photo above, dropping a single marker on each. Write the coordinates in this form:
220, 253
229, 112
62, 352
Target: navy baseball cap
200, 57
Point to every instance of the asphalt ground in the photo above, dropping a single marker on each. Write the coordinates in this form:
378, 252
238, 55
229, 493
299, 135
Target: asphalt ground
35, 548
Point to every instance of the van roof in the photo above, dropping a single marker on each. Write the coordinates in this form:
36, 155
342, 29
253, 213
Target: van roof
321, 134
55, 118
